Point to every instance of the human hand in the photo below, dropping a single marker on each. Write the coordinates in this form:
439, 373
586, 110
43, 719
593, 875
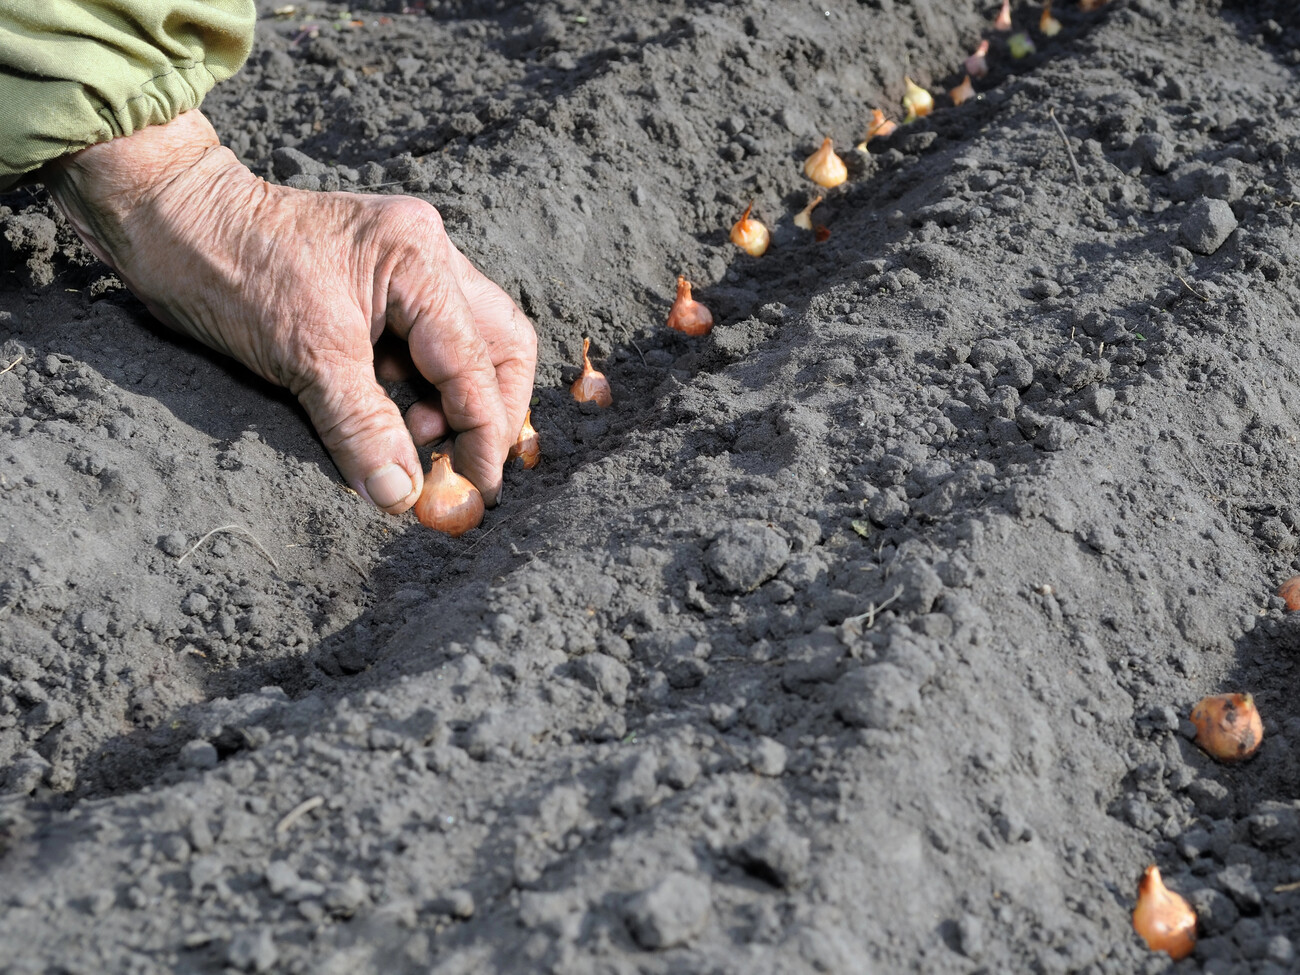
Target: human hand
299, 286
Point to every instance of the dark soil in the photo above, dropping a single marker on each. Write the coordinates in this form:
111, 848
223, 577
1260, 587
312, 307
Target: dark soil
857, 636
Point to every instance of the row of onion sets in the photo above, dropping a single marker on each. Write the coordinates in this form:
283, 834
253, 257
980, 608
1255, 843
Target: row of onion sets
449, 503
825, 168
1229, 729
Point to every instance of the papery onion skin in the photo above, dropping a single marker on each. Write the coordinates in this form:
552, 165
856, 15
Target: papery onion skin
1163, 918
750, 235
591, 386
963, 92
824, 167
880, 126
1289, 591
1228, 726
1003, 20
528, 446
448, 503
803, 219
687, 315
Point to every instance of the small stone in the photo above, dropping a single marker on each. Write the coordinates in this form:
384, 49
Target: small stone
287, 162
199, 754
1207, 225
93, 622
768, 757
304, 181
970, 936
346, 898
679, 770
877, 696
604, 674
1236, 882
1154, 152
26, 773
252, 951
746, 555
1215, 913
280, 877
636, 784
776, 854
671, 913
458, 903
174, 544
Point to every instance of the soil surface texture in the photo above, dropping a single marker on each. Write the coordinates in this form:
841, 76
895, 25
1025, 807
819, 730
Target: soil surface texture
859, 635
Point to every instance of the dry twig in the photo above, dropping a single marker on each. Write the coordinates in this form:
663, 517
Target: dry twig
1078, 176
1191, 289
11, 365
297, 812
234, 529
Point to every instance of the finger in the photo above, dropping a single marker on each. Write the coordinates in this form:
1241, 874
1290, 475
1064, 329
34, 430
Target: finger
426, 422
361, 427
449, 351
511, 339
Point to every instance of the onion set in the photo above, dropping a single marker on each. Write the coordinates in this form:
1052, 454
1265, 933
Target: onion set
963, 92
1289, 591
1163, 918
527, 446
803, 219
918, 102
825, 168
1003, 20
1228, 726
1048, 25
977, 65
591, 386
687, 315
1020, 45
750, 235
448, 502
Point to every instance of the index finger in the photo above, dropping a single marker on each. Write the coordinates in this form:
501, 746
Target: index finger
510, 337
449, 350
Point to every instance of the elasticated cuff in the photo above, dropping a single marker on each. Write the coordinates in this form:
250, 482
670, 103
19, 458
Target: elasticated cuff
77, 72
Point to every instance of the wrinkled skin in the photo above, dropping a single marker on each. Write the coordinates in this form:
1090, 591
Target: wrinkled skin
299, 287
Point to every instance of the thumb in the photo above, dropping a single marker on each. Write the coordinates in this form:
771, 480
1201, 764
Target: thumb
365, 434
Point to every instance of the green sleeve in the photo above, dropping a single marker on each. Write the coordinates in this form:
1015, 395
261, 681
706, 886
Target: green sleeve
77, 72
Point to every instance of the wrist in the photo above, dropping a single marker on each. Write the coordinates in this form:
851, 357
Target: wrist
101, 187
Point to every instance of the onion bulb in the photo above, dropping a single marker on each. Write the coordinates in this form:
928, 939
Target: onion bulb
977, 65
916, 100
591, 386
963, 92
825, 168
1228, 726
880, 126
527, 447
687, 315
1020, 45
750, 235
803, 219
1091, 5
448, 503
1003, 20
1048, 25
1164, 919
1290, 593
